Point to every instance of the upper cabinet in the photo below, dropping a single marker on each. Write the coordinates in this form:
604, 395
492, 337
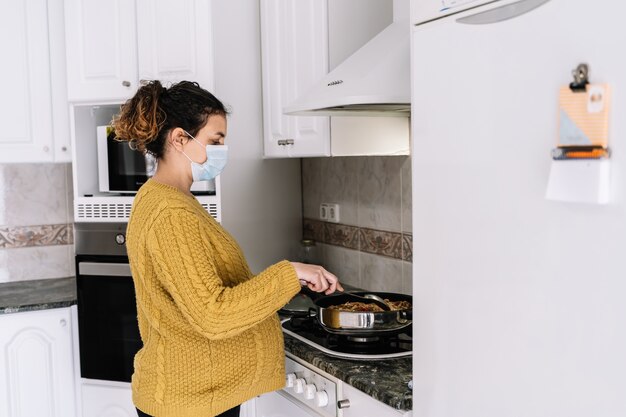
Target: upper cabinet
294, 47
111, 47
32, 129
101, 49
174, 41
301, 40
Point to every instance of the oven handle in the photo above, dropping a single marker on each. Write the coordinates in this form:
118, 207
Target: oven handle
109, 269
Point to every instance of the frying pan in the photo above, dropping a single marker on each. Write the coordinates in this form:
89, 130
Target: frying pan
361, 322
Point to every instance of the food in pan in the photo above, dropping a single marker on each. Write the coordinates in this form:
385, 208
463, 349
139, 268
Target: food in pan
371, 307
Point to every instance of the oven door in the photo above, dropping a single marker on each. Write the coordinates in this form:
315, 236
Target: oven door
274, 404
107, 318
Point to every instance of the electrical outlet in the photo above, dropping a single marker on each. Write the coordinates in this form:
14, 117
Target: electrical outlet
333, 212
323, 211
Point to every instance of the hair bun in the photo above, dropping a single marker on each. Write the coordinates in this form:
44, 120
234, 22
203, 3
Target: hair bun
141, 118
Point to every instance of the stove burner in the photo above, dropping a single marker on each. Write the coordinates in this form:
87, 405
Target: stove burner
357, 339
381, 346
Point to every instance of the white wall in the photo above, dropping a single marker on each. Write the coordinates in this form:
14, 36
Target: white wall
261, 199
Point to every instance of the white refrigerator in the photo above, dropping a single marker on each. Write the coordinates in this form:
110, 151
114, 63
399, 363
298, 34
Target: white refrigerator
520, 300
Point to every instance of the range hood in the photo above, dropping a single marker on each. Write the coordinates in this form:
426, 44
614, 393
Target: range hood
374, 81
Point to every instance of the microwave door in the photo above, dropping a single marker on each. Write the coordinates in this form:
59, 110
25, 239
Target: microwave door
127, 168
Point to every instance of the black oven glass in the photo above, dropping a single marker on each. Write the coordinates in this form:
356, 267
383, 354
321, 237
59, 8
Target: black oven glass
107, 324
127, 168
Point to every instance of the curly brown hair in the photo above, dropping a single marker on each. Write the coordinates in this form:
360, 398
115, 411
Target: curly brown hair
145, 119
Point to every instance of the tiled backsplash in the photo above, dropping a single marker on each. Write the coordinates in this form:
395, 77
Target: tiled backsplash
36, 216
371, 247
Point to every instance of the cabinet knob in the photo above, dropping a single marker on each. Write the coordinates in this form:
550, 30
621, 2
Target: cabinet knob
46, 149
126, 83
64, 148
63, 322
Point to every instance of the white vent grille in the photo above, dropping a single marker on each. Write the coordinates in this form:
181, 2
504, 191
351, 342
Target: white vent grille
103, 211
212, 209
117, 209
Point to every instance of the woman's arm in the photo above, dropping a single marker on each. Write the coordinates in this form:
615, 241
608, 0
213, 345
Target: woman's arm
178, 245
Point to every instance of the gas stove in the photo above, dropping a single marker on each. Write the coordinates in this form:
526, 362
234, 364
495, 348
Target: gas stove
383, 346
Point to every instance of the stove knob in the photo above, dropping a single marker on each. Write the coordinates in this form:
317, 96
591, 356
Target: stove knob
299, 387
291, 379
343, 404
309, 391
321, 399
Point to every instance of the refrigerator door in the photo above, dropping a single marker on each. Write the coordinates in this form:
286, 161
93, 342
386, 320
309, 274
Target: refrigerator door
520, 302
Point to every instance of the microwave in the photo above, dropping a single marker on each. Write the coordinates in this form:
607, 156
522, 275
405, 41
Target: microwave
122, 170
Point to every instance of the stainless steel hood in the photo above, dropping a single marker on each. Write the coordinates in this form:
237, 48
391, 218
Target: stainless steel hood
374, 81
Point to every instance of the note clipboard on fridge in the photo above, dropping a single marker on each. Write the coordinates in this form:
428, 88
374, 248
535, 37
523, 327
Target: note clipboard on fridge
580, 170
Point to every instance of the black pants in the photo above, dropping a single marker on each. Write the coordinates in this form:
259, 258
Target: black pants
233, 412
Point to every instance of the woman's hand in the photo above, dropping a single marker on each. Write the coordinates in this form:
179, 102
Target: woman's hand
317, 278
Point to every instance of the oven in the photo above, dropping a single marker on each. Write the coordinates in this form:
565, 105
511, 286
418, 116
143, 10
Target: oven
108, 333
311, 392
308, 393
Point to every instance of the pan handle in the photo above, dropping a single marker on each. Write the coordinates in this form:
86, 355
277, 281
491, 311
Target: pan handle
312, 312
404, 316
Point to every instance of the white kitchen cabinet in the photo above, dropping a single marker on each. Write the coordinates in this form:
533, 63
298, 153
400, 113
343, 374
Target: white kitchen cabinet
273, 404
113, 45
108, 399
294, 48
301, 40
101, 49
36, 364
174, 39
32, 129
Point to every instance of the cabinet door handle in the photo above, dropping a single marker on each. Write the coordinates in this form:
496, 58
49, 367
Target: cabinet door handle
126, 83
63, 322
284, 142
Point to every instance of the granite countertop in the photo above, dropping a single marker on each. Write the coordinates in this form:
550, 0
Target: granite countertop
37, 295
384, 380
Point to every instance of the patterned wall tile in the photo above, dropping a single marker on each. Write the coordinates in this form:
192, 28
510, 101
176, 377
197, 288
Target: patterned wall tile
407, 247
375, 234
45, 235
378, 242
314, 229
342, 235
381, 242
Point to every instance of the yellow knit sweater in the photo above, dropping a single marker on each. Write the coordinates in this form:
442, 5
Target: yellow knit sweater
211, 335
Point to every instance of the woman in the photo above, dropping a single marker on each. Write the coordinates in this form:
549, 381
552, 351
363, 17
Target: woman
211, 335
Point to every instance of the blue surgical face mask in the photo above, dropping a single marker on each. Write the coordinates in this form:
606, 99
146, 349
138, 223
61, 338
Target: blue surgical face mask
216, 158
